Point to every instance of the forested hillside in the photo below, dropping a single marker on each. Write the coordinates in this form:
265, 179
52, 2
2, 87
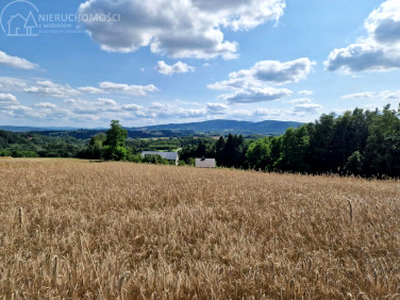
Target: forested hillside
359, 142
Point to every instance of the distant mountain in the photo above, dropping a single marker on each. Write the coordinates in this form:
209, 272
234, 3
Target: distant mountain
212, 127
29, 129
228, 126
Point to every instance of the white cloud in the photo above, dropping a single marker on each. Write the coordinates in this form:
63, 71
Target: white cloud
305, 93
384, 23
188, 103
217, 108
106, 101
81, 110
47, 88
179, 67
103, 108
80, 107
382, 95
301, 112
307, 109
136, 90
281, 73
111, 87
8, 99
11, 83
19, 111
389, 95
379, 50
90, 90
363, 57
188, 113
44, 105
267, 72
362, 95
268, 113
300, 101
132, 107
304, 111
178, 28
157, 105
39, 111
100, 106
253, 85
171, 111
72, 101
16, 62
255, 94
50, 89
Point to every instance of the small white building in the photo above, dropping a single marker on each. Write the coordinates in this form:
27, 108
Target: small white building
171, 156
205, 162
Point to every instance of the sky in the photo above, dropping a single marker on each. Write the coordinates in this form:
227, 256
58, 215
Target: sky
85, 63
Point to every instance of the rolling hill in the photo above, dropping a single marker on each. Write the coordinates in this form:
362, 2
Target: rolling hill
212, 127
228, 126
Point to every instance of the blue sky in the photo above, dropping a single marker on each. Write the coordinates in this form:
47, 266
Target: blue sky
166, 61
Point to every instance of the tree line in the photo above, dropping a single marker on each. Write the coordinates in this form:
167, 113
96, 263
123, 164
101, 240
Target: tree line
37, 145
365, 143
359, 142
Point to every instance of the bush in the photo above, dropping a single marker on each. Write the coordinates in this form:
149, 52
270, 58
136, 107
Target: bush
191, 161
354, 164
5, 152
115, 153
136, 158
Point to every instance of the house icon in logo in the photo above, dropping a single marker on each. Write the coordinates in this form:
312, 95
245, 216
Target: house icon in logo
18, 25
20, 18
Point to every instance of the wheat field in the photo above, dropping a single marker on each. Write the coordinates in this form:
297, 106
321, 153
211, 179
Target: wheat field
83, 230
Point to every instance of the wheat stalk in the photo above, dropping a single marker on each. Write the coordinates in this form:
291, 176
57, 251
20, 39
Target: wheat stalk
350, 209
123, 277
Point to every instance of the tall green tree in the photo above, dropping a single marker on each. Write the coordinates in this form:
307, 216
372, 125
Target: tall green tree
115, 143
239, 152
95, 148
295, 147
382, 149
219, 148
232, 153
259, 155
320, 155
227, 153
201, 150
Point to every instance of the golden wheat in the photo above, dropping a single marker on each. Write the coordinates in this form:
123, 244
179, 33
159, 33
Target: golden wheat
128, 231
